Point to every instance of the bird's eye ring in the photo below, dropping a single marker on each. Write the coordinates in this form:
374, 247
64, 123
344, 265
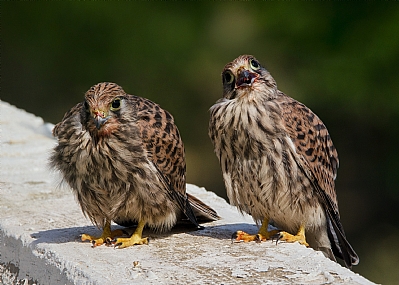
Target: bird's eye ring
228, 77
254, 64
116, 104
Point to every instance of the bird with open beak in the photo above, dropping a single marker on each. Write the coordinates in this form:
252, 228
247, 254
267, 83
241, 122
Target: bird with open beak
278, 161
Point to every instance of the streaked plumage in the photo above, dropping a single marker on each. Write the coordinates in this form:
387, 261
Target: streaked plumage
124, 159
277, 159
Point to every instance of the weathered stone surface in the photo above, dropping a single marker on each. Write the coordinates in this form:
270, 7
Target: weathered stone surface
40, 225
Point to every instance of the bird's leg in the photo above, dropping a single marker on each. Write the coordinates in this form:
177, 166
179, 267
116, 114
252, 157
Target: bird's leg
263, 233
106, 235
135, 239
299, 237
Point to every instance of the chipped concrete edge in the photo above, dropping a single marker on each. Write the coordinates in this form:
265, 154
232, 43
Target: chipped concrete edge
19, 260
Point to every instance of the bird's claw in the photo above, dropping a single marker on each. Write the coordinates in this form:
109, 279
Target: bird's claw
106, 237
133, 240
95, 241
239, 236
233, 237
259, 237
243, 236
109, 241
287, 237
116, 245
276, 237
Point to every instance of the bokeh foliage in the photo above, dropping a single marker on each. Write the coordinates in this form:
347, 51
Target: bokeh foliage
339, 58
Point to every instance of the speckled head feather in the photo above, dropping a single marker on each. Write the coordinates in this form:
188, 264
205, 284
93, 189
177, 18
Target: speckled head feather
238, 81
277, 158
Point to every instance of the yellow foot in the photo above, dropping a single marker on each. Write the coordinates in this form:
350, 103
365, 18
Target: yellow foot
133, 240
261, 236
287, 237
136, 237
106, 237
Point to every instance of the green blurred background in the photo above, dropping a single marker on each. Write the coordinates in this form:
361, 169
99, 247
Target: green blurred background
341, 59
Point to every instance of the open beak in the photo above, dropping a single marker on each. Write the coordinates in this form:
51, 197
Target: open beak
245, 78
99, 118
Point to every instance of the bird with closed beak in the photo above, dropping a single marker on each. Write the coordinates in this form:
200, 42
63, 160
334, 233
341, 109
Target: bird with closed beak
124, 159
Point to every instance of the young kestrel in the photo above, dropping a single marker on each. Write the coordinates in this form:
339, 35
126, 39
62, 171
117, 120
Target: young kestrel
123, 157
278, 161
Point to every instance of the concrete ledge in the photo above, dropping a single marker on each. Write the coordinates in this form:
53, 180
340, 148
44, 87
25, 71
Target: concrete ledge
40, 226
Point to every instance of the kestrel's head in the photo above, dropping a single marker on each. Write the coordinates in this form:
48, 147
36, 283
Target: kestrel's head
245, 75
103, 105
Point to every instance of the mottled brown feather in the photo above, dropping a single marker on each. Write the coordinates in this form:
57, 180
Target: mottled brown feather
313, 143
277, 158
129, 168
162, 141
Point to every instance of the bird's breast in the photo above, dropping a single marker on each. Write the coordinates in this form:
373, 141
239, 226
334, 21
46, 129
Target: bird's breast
258, 162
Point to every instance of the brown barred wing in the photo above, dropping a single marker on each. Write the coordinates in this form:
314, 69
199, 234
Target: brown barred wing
165, 149
318, 159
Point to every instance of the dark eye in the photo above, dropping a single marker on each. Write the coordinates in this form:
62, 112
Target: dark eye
116, 104
228, 77
254, 64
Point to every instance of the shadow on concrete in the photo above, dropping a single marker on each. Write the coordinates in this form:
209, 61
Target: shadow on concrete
73, 234
224, 231
63, 235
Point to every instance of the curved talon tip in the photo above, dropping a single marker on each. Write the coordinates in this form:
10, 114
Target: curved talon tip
233, 237
276, 237
108, 241
258, 239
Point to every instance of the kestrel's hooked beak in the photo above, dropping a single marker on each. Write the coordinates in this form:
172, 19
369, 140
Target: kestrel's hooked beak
100, 117
245, 78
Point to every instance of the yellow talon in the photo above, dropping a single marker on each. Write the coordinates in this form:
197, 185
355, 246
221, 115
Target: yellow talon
135, 239
105, 237
299, 237
263, 233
